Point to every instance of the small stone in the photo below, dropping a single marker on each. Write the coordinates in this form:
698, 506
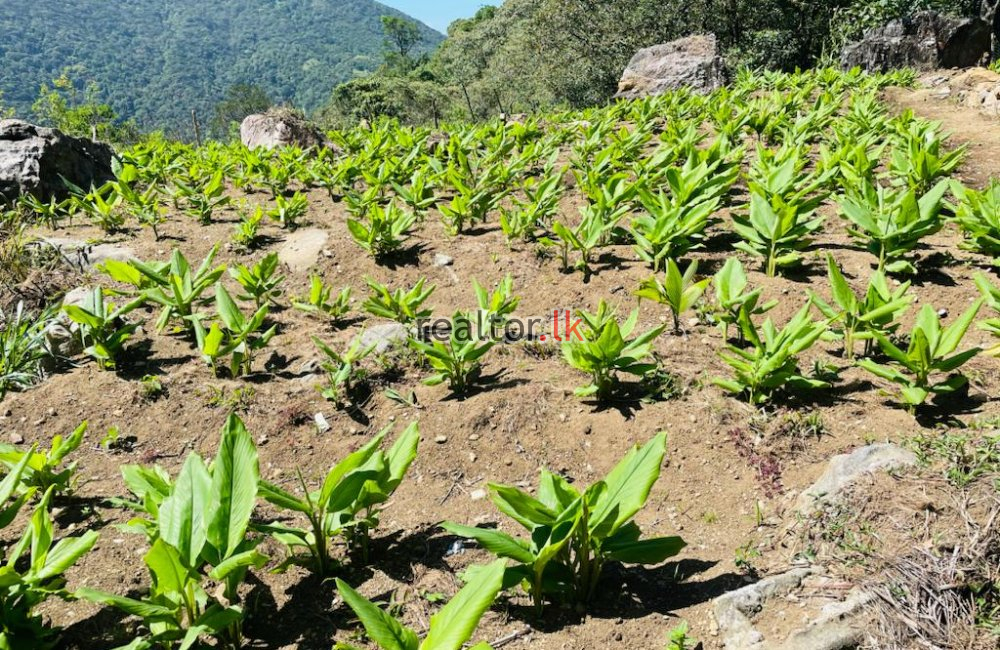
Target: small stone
473, 437
478, 495
262, 440
441, 440
472, 457
942, 313
16, 438
441, 260
321, 424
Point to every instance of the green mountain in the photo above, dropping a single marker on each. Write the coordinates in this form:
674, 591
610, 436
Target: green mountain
156, 60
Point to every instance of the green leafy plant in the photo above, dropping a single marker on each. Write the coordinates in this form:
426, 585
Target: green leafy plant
289, 211
671, 228
203, 195
347, 504
771, 362
32, 571
318, 302
178, 288
604, 351
197, 528
891, 223
23, 347
235, 335
44, 469
247, 232
776, 231
399, 305
931, 351
857, 318
496, 307
573, 533
103, 329
342, 369
457, 360
733, 299
678, 291
449, 629
978, 215
384, 230
542, 196
917, 160
260, 281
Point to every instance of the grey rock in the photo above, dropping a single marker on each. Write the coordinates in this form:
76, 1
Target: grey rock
302, 249
280, 128
384, 336
693, 62
442, 260
35, 159
924, 41
89, 256
845, 469
833, 629
733, 611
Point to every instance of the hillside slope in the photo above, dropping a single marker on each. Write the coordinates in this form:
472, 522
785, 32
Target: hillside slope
156, 60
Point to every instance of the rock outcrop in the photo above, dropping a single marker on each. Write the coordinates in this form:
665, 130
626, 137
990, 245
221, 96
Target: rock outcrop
693, 62
34, 160
280, 128
924, 41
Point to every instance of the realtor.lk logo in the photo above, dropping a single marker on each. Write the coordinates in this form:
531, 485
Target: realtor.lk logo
561, 326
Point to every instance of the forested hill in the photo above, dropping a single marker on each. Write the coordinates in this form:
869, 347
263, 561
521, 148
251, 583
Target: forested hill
156, 60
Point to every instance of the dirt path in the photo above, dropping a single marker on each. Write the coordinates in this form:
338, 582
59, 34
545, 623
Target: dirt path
980, 132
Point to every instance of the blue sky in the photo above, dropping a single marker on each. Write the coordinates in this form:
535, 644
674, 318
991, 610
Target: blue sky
439, 13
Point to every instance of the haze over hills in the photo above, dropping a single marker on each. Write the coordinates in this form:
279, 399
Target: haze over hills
156, 60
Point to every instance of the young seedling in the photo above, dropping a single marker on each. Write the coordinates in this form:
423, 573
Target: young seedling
733, 299
238, 337
771, 363
33, 571
342, 369
574, 534
44, 469
449, 629
288, 212
605, 351
858, 318
978, 216
891, 223
383, 232
457, 360
178, 288
932, 351
260, 281
776, 231
103, 330
399, 305
347, 503
678, 291
318, 301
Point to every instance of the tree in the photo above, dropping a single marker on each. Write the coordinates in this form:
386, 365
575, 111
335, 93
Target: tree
240, 100
75, 109
401, 36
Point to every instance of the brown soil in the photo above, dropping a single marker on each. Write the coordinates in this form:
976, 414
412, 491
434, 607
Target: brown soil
527, 418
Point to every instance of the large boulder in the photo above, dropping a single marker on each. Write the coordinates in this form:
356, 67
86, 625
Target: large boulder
693, 62
280, 128
991, 15
35, 159
924, 41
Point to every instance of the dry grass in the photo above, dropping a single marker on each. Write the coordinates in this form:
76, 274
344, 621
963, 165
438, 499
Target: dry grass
937, 597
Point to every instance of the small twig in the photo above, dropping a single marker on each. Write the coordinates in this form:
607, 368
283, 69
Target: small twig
510, 638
